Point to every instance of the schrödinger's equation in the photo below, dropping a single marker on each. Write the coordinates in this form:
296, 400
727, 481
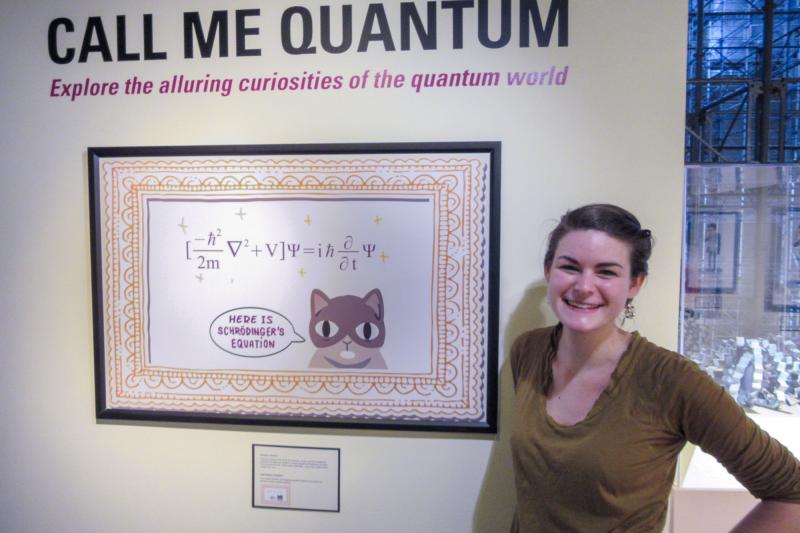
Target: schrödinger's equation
212, 251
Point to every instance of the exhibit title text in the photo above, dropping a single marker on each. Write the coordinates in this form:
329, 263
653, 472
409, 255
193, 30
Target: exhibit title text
324, 29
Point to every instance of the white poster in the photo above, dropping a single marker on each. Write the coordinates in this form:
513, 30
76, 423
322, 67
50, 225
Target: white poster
315, 287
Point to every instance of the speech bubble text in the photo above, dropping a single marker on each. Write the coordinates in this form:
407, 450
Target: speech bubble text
253, 332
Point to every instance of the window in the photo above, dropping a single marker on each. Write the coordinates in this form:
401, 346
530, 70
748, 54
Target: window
739, 51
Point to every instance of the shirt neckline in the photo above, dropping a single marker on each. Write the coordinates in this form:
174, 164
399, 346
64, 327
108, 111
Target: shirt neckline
611, 390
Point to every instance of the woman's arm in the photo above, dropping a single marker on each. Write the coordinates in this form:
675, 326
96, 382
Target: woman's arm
771, 516
709, 417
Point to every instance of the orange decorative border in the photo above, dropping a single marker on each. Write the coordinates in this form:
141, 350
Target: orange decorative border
455, 389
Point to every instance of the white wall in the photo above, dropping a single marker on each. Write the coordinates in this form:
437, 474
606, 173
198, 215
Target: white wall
613, 133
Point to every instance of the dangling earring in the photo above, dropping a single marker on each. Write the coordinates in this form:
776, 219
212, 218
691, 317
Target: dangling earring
630, 311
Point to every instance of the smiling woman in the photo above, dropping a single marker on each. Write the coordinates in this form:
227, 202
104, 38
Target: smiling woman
590, 282
601, 415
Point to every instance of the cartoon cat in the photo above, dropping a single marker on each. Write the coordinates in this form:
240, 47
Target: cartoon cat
347, 331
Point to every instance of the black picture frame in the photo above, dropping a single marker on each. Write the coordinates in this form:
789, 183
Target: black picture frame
137, 175
713, 248
783, 273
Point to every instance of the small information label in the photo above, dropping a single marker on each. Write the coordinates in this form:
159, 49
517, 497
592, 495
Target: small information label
290, 477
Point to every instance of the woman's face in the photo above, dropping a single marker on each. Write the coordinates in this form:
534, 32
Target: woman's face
590, 280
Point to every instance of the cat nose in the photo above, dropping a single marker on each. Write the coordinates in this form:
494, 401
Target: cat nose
347, 339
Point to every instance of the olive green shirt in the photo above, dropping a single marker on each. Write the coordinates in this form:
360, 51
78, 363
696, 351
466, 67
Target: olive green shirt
613, 471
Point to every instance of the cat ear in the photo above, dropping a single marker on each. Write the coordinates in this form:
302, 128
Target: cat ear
374, 299
318, 301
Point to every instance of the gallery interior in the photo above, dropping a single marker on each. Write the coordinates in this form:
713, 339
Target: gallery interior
738, 52
739, 322
743, 131
686, 112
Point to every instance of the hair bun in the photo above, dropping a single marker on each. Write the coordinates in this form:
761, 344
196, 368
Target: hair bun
645, 233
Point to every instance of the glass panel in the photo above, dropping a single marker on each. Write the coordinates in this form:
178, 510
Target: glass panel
741, 282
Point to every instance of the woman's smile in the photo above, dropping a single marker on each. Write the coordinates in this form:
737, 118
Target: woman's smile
581, 305
590, 281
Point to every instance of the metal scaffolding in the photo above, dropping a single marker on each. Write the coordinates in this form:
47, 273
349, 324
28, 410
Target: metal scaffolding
743, 82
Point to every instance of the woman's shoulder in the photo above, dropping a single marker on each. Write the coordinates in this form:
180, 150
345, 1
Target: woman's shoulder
660, 361
668, 375
530, 349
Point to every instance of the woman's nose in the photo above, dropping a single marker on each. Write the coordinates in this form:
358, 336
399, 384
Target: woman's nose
583, 283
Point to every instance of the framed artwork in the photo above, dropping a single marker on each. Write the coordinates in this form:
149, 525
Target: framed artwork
783, 283
349, 285
713, 238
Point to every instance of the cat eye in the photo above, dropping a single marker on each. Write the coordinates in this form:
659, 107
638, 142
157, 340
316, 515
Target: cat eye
326, 328
367, 331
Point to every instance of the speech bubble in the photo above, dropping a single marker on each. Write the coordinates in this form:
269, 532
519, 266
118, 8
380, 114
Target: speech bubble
253, 332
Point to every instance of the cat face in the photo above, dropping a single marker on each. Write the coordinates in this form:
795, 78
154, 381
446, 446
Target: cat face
347, 331
334, 319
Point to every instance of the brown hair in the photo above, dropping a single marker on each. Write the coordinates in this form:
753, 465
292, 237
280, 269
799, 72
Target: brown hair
611, 220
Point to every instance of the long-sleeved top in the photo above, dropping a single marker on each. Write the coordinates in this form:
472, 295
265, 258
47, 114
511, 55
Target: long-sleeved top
613, 471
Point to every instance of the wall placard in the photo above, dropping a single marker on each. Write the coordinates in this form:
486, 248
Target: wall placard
296, 477
332, 285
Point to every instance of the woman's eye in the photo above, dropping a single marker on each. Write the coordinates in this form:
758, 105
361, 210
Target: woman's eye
367, 331
326, 328
569, 268
608, 273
